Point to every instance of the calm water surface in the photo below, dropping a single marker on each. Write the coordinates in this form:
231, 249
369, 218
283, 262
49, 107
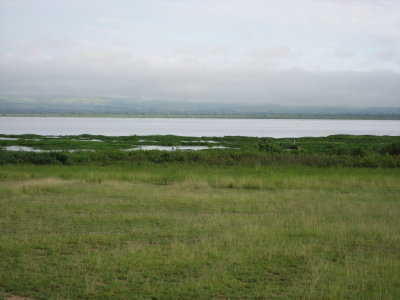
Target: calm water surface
195, 127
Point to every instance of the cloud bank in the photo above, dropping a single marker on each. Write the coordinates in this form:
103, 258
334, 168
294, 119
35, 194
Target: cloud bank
289, 52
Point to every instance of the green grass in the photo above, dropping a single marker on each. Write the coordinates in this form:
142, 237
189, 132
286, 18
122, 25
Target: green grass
197, 231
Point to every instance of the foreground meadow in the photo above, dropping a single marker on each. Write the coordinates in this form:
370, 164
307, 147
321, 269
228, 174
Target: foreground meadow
194, 231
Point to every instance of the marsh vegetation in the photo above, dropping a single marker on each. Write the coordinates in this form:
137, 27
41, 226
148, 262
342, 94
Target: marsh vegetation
335, 150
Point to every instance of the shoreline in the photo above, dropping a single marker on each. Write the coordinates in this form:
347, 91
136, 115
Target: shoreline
256, 117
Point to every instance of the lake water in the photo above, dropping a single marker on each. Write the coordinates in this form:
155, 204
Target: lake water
195, 127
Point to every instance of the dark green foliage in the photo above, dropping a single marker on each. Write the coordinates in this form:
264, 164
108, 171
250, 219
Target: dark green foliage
358, 152
392, 149
218, 157
268, 145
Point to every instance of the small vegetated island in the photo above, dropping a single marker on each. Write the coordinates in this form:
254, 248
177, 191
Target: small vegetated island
170, 217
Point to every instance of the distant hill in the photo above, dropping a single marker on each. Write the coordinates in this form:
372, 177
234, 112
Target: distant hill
63, 105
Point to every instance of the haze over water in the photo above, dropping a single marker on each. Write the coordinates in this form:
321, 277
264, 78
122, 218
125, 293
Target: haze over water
196, 126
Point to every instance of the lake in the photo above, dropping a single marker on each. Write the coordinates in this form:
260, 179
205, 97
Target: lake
196, 126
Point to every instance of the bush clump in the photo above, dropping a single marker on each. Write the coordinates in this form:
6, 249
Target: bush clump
392, 149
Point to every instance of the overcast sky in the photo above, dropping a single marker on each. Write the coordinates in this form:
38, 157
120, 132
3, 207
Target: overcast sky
294, 52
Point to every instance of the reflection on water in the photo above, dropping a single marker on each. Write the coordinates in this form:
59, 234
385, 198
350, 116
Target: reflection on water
201, 141
174, 148
161, 148
8, 139
22, 148
88, 140
195, 127
147, 141
30, 149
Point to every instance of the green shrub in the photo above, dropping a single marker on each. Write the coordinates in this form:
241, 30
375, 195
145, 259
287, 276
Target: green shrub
392, 149
270, 146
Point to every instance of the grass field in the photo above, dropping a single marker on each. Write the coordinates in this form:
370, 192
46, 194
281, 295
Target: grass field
195, 231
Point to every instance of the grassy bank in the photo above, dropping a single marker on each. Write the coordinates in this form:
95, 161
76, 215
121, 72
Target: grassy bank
198, 231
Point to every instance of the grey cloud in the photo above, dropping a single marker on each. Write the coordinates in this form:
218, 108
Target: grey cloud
271, 57
144, 78
343, 54
390, 55
275, 52
198, 50
220, 50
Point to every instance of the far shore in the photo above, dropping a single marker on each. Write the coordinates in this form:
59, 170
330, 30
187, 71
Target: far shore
238, 116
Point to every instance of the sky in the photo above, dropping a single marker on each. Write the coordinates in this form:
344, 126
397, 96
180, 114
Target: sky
288, 52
